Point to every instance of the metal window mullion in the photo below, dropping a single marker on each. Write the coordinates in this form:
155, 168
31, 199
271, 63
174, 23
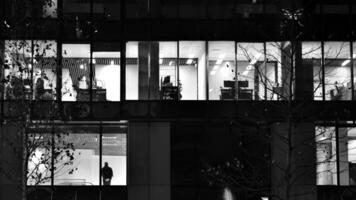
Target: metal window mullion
177, 70
91, 53
100, 151
236, 74
52, 157
352, 71
207, 98
323, 69
337, 155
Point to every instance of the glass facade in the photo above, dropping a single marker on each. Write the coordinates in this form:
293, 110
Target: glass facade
183, 70
336, 155
76, 154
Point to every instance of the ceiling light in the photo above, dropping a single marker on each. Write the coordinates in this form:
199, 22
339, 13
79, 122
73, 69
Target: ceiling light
216, 67
245, 73
345, 63
81, 66
211, 89
249, 67
218, 62
170, 63
29, 66
212, 73
160, 61
189, 61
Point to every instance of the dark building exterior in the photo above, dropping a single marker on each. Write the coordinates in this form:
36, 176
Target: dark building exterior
204, 99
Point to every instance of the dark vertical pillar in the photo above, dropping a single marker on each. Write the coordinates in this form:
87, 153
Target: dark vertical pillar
286, 71
149, 161
143, 72
148, 67
154, 71
304, 88
293, 166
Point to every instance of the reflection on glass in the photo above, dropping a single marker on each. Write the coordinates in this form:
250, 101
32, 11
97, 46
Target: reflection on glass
39, 161
311, 55
221, 70
106, 83
192, 70
24, 63
326, 155
75, 72
354, 66
276, 71
114, 154
337, 71
83, 159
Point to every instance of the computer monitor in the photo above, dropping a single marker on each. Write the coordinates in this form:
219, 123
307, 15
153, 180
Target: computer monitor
242, 83
229, 84
167, 79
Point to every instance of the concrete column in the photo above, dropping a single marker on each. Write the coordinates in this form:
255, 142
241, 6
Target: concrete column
304, 77
300, 178
149, 161
10, 162
148, 65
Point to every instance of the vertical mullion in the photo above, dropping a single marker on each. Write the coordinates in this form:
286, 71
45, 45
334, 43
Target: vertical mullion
178, 65
236, 78
337, 155
323, 69
206, 70
265, 69
352, 71
100, 151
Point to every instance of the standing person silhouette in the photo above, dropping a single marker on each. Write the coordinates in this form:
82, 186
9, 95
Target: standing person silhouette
107, 174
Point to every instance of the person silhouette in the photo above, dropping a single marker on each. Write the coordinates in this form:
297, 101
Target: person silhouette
107, 174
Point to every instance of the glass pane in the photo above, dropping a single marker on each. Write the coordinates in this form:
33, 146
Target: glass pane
311, 55
168, 71
192, 70
221, 70
326, 155
114, 155
250, 58
39, 166
75, 72
132, 70
23, 63
106, 83
337, 71
108, 10
82, 157
347, 152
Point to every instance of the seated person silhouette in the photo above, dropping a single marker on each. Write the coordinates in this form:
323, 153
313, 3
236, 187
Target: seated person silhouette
107, 174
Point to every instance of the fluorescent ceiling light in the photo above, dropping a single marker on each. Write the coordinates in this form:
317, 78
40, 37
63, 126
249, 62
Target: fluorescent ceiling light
212, 73
245, 73
216, 67
211, 89
81, 66
249, 67
189, 61
345, 63
170, 63
218, 62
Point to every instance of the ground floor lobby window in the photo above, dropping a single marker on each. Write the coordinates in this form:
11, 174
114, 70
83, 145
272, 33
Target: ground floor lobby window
81, 154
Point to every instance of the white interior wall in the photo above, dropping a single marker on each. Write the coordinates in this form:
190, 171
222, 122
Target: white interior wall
188, 79
109, 75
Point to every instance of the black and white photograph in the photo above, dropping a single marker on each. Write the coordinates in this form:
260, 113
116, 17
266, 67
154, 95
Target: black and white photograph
177, 99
